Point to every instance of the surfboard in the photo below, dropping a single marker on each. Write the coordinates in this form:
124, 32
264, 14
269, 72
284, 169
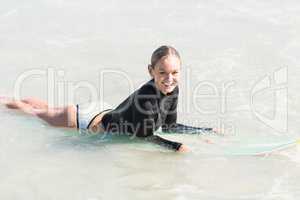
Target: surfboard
247, 146
261, 149
240, 147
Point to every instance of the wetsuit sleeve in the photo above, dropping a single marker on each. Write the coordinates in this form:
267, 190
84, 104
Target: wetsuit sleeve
181, 128
171, 126
145, 119
164, 142
171, 118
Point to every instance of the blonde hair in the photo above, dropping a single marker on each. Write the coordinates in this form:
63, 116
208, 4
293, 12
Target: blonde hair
161, 52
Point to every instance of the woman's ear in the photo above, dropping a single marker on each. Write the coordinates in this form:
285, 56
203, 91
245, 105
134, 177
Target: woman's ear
150, 70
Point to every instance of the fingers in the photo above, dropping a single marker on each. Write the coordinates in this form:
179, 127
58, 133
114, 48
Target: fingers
208, 141
183, 149
219, 131
5, 99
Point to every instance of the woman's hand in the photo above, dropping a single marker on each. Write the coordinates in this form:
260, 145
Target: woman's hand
219, 131
183, 149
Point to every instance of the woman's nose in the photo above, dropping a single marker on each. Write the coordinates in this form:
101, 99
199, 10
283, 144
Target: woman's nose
169, 76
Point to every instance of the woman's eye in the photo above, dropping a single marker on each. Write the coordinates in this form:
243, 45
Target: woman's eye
161, 72
175, 73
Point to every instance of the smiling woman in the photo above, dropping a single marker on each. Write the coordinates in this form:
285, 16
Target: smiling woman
152, 106
164, 68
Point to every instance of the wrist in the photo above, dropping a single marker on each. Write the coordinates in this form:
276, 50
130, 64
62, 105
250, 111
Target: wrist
183, 148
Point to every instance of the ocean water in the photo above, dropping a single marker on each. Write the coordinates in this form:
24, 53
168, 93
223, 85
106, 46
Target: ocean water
240, 73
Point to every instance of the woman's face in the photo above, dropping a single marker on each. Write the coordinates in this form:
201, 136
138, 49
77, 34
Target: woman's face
166, 73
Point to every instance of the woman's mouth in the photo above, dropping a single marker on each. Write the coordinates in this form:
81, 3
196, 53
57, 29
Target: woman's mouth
168, 84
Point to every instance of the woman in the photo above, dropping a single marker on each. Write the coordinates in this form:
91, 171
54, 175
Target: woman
152, 106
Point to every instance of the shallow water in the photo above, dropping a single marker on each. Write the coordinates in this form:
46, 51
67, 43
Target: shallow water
227, 48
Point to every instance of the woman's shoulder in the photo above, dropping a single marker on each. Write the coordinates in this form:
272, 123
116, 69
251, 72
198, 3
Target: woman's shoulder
148, 88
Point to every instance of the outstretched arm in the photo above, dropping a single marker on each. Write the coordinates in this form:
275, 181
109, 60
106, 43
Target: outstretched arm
176, 146
181, 128
170, 124
145, 117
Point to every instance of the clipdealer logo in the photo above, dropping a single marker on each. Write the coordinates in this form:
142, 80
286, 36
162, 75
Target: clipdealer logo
277, 84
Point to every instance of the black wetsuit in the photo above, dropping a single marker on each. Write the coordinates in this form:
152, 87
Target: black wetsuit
143, 112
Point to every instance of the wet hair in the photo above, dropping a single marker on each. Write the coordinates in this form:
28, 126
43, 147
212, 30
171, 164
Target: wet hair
161, 52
